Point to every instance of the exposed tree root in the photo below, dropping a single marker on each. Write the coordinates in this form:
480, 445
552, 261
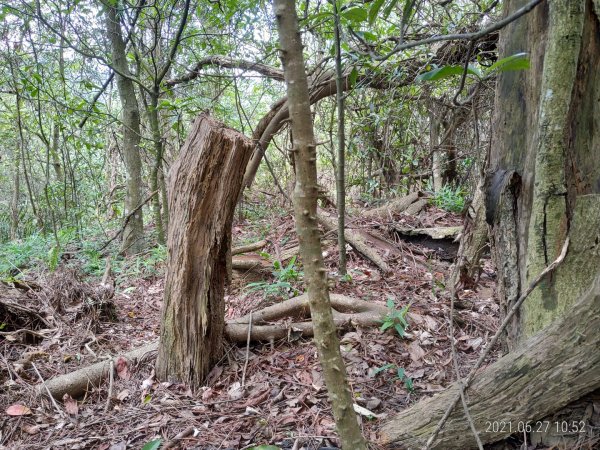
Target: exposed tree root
249, 248
348, 312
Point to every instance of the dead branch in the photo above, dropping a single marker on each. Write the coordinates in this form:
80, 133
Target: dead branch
249, 247
395, 206
359, 239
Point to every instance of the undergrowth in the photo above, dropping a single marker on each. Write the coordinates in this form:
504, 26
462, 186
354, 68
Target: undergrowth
39, 252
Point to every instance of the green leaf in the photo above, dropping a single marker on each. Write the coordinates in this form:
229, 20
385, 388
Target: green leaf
518, 61
388, 9
403, 321
401, 373
399, 329
374, 10
382, 368
353, 76
446, 72
367, 35
390, 303
355, 14
323, 15
386, 325
152, 445
407, 11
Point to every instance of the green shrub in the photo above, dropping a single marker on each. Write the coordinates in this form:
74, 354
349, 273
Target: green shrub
450, 199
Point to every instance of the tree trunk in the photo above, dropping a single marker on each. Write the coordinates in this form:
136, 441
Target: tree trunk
436, 153
340, 179
16, 194
134, 230
544, 187
305, 207
201, 207
545, 181
473, 242
551, 369
554, 147
157, 167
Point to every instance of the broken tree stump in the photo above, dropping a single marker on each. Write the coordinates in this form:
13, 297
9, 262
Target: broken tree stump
204, 185
553, 368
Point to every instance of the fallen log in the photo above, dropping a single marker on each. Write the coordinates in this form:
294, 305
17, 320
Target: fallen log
251, 262
359, 239
393, 207
77, 382
249, 247
553, 368
433, 233
348, 313
416, 207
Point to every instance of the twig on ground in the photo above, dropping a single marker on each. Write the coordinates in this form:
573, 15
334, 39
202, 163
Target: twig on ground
111, 378
58, 410
247, 350
182, 435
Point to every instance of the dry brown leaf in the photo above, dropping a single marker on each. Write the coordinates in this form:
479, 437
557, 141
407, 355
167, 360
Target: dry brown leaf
18, 410
415, 351
70, 405
121, 396
122, 366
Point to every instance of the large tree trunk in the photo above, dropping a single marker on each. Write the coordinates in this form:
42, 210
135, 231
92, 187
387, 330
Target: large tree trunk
556, 366
134, 229
551, 187
553, 147
305, 208
203, 186
544, 187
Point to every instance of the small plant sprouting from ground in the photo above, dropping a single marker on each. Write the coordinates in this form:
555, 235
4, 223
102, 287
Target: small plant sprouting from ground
395, 318
400, 375
287, 273
282, 285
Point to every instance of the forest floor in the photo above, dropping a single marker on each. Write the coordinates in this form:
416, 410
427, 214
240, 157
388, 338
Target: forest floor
284, 400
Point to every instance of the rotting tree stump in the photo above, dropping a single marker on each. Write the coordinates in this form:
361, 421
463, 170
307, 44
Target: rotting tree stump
203, 188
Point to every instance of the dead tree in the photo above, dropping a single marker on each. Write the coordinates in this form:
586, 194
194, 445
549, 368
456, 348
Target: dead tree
204, 184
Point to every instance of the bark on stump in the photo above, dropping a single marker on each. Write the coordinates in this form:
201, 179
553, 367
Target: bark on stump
204, 184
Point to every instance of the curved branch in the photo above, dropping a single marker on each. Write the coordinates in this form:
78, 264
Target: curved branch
274, 120
227, 63
460, 36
